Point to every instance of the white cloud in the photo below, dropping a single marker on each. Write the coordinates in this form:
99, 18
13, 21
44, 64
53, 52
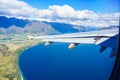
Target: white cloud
67, 14
16, 8
55, 13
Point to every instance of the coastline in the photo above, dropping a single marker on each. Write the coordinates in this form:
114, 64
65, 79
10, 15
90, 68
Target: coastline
10, 50
20, 51
21, 75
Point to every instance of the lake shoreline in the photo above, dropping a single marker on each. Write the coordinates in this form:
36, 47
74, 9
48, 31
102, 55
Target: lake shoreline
20, 52
10, 50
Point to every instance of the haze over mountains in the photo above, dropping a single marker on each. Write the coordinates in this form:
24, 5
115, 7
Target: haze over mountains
21, 26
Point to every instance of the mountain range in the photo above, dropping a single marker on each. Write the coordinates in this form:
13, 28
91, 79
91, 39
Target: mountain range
21, 26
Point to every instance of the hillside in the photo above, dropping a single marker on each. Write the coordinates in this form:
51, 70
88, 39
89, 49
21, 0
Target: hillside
21, 26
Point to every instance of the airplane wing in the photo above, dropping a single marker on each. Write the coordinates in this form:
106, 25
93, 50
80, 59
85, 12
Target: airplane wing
105, 38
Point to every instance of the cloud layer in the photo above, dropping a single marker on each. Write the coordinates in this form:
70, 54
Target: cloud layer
56, 13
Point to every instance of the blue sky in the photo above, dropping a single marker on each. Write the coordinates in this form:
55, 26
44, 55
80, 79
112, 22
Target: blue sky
105, 6
99, 13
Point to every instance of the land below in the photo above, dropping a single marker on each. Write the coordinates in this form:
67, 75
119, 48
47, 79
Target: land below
11, 46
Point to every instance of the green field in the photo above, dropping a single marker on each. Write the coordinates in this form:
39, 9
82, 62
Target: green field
10, 47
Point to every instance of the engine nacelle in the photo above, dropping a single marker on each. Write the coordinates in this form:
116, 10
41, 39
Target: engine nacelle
31, 38
47, 43
72, 45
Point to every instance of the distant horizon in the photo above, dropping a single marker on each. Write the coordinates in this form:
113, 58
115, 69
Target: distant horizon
27, 21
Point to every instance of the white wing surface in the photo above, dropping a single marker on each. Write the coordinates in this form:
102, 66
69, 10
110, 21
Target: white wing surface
105, 38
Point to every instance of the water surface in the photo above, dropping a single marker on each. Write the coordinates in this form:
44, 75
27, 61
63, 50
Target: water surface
57, 62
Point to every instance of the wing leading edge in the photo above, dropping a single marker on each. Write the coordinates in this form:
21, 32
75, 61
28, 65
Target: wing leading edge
105, 38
